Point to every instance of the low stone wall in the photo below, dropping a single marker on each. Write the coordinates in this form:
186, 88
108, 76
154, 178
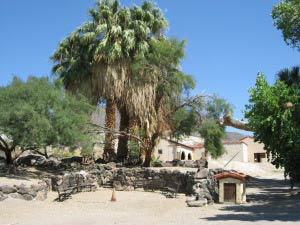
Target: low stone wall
33, 192
201, 184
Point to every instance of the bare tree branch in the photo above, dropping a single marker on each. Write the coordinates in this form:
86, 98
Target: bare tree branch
228, 120
119, 133
189, 102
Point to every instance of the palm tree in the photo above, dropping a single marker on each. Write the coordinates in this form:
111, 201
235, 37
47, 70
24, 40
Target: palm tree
96, 57
290, 76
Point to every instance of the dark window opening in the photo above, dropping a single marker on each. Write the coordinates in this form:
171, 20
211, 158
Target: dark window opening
160, 151
259, 156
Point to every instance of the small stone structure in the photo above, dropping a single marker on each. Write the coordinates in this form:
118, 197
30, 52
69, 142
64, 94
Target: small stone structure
232, 186
205, 188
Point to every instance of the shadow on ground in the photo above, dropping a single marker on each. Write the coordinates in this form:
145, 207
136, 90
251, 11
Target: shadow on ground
270, 200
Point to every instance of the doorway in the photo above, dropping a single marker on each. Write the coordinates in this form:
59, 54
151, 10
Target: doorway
182, 155
229, 192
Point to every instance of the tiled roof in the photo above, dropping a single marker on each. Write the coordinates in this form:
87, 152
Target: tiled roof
231, 174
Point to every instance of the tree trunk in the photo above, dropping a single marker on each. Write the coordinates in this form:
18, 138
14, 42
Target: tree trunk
148, 157
150, 144
122, 152
8, 156
110, 122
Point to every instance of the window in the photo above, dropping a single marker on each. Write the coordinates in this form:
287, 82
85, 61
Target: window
160, 151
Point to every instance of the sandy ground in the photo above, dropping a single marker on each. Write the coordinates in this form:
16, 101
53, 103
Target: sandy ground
271, 202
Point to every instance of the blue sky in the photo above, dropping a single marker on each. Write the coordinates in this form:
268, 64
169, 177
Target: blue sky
228, 42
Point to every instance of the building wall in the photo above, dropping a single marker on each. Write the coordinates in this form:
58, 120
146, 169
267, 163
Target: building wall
198, 153
168, 153
253, 147
239, 150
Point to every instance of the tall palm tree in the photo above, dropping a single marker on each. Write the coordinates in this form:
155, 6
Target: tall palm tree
96, 57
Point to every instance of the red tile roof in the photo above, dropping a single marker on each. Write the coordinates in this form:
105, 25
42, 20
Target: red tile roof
231, 174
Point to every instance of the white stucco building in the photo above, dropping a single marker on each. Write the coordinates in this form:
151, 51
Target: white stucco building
168, 150
192, 148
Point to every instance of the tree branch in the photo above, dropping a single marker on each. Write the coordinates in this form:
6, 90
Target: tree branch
189, 102
227, 120
119, 133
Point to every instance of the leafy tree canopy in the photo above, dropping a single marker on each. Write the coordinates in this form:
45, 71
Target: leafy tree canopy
286, 17
202, 116
276, 123
38, 113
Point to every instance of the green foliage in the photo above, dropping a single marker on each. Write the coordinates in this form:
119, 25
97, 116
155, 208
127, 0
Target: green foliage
161, 64
113, 33
202, 116
286, 15
37, 113
290, 76
156, 162
134, 148
212, 134
62, 153
274, 122
185, 121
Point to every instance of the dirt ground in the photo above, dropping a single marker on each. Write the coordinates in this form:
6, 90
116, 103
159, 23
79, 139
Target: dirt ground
270, 202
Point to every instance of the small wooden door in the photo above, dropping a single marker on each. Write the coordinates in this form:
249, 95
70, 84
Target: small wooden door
229, 192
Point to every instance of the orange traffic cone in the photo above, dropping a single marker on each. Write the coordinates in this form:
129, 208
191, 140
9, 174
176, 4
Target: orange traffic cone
113, 196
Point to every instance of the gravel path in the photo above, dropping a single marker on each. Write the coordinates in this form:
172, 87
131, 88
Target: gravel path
270, 203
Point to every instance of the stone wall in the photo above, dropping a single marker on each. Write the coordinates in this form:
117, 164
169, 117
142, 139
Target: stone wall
33, 192
128, 179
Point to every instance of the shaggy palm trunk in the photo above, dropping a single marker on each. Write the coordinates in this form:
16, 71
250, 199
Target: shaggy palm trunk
110, 123
122, 152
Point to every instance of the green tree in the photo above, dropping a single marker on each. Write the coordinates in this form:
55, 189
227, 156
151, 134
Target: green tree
212, 133
273, 116
38, 113
201, 114
286, 15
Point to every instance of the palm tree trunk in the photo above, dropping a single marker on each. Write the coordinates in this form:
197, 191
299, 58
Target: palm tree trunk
122, 152
110, 123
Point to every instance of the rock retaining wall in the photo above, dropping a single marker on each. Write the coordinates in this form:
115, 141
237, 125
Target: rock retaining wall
33, 192
128, 179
